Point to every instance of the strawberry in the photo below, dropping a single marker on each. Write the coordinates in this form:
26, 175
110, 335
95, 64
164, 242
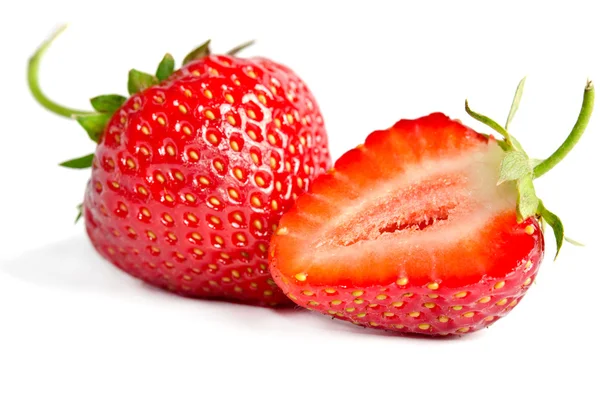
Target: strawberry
428, 227
193, 170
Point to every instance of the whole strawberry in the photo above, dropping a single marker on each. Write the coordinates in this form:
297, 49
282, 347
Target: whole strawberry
193, 171
429, 227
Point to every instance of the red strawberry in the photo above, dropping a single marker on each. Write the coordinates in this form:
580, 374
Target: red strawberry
412, 232
193, 171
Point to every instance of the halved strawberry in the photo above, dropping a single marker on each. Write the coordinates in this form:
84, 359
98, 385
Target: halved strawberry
429, 227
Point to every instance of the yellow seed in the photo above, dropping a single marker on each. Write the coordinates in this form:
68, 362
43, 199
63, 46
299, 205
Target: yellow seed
528, 265
433, 286
399, 326
271, 139
502, 302
212, 138
278, 186
301, 276
188, 93
186, 130
292, 297
234, 145
196, 236
408, 295
187, 278
151, 235
237, 289
485, 299
259, 180
115, 184
219, 240
488, 318
336, 302
258, 224
360, 315
229, 98
268, 292
332, 312
207, 94
169, 265
169, 198
231, 120
468, 314
463, 329
397, 304
527, 282
198, 251
161, 120
262, 99
204, 180
179, 176
424, 327
256, 202
414, 314
313, 303
145, 130
529, 229
182, 109
457, 307
274, 205
277, 123
388, 314
290, 118
190, 198
429, 305
443, 319
251, 73
233, 193
330, 290
460, 294
172, 236
255, 158
358, 293
433, 296
215, 220
402, 281
513, 303
146, 212
238, 173
213, 283
209, 114
282, 231
193, 155
251, 114
238, 217
214, 201
308, 293
359, 301
240, 237
381, 297
373, 324
350, 309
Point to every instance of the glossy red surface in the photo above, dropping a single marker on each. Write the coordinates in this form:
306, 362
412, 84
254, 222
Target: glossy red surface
191, 177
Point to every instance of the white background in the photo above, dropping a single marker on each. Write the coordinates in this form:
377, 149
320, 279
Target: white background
72, 325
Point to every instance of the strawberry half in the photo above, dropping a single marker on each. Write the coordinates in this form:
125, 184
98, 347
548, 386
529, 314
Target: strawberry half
429, 227
193, 170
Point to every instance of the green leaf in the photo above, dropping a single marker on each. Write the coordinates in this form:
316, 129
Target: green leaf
574, 242
165, 67
107, 103
79, 163
490, 123
515, 103
139, 81
234, 51
79, 213
527, 201
515, 165
94, 124
198, 53
556, 224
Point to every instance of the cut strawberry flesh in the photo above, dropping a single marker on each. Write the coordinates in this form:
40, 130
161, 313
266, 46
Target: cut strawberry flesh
419, 199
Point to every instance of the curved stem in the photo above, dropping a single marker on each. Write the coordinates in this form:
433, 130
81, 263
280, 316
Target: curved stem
34, 84
576, 133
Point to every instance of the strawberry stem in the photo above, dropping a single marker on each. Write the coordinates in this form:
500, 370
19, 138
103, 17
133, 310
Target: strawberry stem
576, 133
34, 83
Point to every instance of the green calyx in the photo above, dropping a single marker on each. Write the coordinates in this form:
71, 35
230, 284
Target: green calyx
94, 122
518, 168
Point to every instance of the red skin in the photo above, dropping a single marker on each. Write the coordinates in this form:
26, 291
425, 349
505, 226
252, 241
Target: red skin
265, 138
474, 281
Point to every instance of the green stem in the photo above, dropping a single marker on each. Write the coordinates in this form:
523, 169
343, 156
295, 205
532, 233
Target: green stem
34, 84
578, 130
